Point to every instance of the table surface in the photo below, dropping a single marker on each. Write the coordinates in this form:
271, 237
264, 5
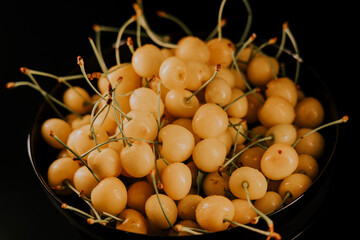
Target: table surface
52, 36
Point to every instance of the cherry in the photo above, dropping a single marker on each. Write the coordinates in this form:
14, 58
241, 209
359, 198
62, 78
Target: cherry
211, 212
279, 161
176, 179
109, 196
61, 128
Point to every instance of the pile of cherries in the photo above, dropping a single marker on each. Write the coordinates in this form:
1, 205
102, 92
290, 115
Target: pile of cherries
187, 138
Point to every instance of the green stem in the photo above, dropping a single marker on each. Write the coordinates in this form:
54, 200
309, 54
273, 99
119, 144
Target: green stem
118, 39
248, 23
243, 150
344, 119
52, 134
269, 222
266, 233
98, 56
158, 197
238, 98
68, 207
293, 41
217, 69
219, 20
176, 20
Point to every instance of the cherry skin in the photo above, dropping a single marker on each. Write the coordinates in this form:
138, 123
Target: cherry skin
61, 128
109, 196
105, 163
77, 99
256, 180
243, 212
308, 165
282, 87
192, 48
209, 154
276, 110
178, 107
84, 181
296, 184
309, 113
215, 184
211, 212
176, 179
137, 195
187, 206
177, 143
279, 161
138, 159
313, 144
134, 222
174, 73
147, 60
269, 203
61, 169
210, 120
142, 125
262, 69
220, 51
146, 100
156, 215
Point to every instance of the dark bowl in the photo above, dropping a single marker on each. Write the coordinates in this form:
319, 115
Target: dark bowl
290, 221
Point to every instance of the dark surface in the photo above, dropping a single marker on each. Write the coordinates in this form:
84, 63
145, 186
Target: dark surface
49, 36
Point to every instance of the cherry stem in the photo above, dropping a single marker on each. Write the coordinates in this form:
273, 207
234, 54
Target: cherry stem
72, 188
118, 39
238, 98
266, 233
219, 20
80, 62
68, 207
193, 231
43, 92
344, 119
283, 40
61, 79
152, 174
98, 56
176, 20
215, 30
27, 72
113, 217
86, 200
248, 23
287, 196
239, 72
151, 34
217, 69
286, 29
52, 134
269, 222
243, 150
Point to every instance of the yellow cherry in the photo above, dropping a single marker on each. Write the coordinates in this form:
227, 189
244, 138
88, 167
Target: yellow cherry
61, 128
177, 143
109, 196
257, 184
138, 159
211, 212
279, 161
155, 214
137, 195
176, 179
134, 222
210, 120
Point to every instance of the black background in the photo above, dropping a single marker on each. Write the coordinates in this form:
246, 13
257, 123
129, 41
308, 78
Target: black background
50, 35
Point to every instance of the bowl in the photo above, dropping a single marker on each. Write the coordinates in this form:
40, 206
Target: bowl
290, 221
